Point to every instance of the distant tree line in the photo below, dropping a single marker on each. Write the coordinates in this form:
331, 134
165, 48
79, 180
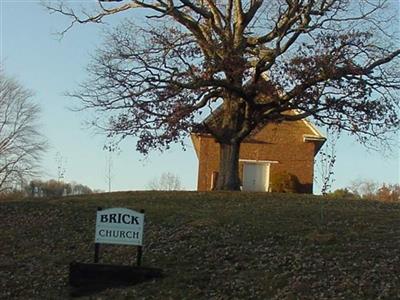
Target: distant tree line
55, 188
370, 190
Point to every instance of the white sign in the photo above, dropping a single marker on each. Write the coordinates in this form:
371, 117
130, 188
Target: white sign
119, 226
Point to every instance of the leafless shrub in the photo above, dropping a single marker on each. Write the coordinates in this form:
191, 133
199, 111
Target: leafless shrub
166, 182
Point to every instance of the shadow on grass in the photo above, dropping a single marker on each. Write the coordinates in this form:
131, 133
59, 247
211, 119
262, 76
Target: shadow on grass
87, 279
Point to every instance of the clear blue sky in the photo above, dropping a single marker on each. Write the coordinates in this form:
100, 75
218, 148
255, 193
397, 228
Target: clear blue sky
30, 52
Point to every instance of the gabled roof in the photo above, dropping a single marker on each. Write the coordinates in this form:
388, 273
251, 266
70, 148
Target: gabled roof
214, 117
316, 137
312, 135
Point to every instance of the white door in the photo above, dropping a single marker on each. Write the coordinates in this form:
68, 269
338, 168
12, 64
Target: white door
255, 177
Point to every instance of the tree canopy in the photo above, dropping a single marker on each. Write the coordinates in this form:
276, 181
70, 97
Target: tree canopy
257, 61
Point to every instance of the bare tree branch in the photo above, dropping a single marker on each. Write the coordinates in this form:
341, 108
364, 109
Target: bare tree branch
21, 145
332, 60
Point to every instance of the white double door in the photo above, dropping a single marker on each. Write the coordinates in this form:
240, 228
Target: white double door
255, 176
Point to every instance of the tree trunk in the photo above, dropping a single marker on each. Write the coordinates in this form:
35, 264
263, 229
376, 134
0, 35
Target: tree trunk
228, 177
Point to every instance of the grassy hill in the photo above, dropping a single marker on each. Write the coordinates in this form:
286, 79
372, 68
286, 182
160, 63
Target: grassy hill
210, 246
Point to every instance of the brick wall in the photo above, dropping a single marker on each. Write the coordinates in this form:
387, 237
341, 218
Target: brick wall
281, 142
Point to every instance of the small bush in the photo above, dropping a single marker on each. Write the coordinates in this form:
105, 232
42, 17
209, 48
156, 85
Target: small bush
342, 194
285, 182
12, 196
389, 192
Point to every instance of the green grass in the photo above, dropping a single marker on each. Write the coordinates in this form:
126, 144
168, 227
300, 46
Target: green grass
210, 246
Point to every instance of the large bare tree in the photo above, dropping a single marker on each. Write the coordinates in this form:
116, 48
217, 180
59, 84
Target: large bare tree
21, 144
257, 61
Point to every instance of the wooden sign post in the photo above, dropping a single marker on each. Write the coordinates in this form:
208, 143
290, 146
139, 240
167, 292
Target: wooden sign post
97, 247
139, 248
113, 226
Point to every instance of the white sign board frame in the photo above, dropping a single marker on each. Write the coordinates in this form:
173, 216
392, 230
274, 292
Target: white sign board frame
119, 226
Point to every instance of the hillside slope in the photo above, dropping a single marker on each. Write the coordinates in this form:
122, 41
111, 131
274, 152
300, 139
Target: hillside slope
210, 246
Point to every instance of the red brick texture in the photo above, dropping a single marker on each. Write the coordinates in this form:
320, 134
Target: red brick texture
282, 143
